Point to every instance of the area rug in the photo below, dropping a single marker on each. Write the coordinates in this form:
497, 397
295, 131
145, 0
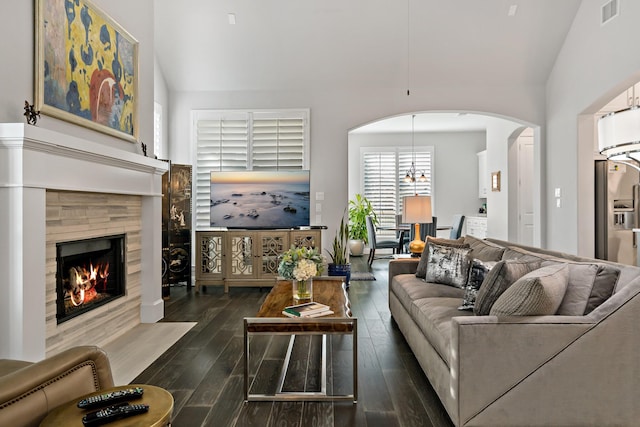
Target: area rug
362, 275
134, 351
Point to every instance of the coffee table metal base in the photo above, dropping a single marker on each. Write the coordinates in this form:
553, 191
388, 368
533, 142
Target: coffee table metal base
314, 326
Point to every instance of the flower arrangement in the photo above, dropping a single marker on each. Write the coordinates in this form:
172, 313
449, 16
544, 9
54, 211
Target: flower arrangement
300, 263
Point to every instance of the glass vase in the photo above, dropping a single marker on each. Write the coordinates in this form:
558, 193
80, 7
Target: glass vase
302, 291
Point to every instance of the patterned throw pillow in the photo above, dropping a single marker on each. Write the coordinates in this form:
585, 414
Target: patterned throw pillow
477, 272
501, 276
538, 293
447, 265
421, 270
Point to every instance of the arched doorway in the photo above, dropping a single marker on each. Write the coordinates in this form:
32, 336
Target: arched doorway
456, 139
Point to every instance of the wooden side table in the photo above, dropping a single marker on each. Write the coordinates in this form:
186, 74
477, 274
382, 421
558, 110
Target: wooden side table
160, 403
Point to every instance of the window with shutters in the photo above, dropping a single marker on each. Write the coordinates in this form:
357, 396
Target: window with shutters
383, 182
246, 140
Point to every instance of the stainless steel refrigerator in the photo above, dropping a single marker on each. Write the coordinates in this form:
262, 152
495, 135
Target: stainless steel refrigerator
617, 195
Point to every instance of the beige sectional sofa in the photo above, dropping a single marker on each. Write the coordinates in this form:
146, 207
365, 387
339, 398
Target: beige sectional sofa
528, 370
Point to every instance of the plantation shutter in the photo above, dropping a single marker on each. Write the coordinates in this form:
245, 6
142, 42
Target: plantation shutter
246, 140
422, 163
221, 142
278, 141
380, 184
383, 180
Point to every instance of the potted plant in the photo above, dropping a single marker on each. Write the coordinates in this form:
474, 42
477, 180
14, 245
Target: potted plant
339, 265
359, 209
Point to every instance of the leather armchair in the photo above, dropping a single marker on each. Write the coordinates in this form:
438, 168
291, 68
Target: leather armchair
29, 391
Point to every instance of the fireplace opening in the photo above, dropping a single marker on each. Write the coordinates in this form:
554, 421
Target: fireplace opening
90, 273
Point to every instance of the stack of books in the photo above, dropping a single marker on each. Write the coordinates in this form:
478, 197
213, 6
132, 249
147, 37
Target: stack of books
308, 309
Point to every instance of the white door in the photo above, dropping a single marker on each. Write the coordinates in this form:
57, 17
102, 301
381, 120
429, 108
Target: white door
525, 187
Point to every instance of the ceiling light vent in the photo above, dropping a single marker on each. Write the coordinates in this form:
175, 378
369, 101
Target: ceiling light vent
610, 10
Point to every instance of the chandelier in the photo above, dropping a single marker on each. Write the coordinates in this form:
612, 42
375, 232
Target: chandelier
412, 172
619, 135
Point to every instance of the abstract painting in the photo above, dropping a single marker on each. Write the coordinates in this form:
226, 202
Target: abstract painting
86, 68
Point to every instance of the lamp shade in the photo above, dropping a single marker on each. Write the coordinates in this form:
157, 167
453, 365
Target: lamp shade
619, 134
416, 209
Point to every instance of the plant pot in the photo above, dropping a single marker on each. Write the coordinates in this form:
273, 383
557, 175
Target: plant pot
340, 270
356, 247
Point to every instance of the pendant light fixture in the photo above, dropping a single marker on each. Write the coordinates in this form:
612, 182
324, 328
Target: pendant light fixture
411, 174
619, 134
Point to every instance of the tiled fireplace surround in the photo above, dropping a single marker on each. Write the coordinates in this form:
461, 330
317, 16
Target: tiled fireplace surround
55, 187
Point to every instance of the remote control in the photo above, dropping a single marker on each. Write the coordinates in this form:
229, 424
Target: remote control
106, 399
113, 413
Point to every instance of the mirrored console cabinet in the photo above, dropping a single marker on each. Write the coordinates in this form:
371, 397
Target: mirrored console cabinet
245, 257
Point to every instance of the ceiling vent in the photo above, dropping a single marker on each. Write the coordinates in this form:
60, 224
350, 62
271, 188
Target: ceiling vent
610, 10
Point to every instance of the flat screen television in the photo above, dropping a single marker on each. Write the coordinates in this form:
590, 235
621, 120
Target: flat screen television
260, 199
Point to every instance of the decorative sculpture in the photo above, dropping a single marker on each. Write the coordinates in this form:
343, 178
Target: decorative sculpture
31, 113
144, 148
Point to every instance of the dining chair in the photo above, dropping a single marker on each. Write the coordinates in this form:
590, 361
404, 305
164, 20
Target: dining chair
382, 244
404, 233
456, 226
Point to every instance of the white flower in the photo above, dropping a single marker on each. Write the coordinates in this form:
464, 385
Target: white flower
304, 270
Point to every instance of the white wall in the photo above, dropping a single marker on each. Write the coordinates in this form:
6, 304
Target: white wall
499, 132
17, 48
334, 113
595, 64
161, 96
455, 184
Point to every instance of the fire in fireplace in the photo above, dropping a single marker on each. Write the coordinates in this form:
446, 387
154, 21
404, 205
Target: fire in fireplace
90, 273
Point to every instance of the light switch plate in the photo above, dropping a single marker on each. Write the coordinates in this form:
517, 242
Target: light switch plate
558, 193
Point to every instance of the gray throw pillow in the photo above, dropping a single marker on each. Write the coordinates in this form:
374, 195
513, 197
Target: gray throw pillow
421, 270
447, 265
477, 272
483, 249
590, 284
501, 276
538, 293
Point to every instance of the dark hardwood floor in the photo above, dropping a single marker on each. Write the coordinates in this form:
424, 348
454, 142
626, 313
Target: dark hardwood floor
204, 369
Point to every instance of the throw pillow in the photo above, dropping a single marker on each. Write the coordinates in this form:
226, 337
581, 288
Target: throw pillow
447, 265
477, 272
538, 293
421, 270
483, 249
590, 284
503, 275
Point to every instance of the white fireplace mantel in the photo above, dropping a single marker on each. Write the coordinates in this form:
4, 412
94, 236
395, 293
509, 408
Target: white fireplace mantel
32, 161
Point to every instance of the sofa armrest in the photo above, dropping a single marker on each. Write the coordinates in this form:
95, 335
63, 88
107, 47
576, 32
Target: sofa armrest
402, 266
28, 394
491, 355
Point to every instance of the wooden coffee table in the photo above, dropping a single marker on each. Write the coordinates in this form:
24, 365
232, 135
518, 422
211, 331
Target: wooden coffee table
160, 403
270, 321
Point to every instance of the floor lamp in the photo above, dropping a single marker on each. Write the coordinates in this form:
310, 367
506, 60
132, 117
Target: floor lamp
416, 209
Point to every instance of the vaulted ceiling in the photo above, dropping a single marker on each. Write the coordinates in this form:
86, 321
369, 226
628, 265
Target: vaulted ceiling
302, 44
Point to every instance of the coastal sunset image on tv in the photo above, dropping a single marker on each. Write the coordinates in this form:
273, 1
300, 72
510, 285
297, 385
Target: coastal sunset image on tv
260, 199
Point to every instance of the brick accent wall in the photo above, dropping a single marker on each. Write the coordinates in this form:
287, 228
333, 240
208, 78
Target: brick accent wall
77, 215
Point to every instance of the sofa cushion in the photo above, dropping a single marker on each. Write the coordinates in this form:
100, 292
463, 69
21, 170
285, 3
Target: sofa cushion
484, 250
448, 265
421, 270
590, 284
501, 276
514, 252
433, 317
538, 293
408, 288
477, 272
